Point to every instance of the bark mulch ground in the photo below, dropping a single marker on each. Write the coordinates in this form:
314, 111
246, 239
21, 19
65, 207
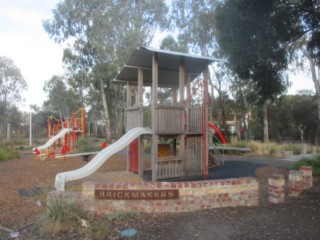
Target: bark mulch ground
25, 182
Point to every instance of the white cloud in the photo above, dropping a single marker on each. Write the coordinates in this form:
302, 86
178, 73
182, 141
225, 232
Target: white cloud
23, 39
23, 17
300, 82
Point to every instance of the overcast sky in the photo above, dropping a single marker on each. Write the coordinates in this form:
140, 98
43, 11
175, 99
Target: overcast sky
23, 39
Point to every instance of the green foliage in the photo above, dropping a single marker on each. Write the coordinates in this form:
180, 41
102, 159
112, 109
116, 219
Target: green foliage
251, 36
313, 162
61, 216
295, 148
88, 144
8, 153
147, 148
12, 82
289, 113
269, 148
61, 100
103, 34
240, 144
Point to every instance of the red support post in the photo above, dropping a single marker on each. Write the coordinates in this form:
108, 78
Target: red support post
73, 130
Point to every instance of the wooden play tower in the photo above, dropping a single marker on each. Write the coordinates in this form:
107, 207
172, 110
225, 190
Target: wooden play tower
181, 123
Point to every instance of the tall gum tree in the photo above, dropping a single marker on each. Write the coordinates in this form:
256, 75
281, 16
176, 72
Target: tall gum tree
12, 85
100, 35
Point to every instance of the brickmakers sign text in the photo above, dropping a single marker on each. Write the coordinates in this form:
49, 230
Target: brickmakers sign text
162, 194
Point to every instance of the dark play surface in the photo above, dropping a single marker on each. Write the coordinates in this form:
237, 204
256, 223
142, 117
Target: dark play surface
233, 167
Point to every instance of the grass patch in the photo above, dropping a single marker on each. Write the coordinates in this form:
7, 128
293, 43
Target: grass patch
98, 229
313, 162
124, 215
8, 153
61, 217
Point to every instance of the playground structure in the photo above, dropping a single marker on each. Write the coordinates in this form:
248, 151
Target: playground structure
183, 124
62, 134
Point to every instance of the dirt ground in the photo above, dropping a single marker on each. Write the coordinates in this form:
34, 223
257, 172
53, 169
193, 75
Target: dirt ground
298, 218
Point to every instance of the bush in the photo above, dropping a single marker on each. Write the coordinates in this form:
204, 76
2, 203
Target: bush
147, 148
295, 148
269, 148
8, 153
313, 162
61, 217
88, 144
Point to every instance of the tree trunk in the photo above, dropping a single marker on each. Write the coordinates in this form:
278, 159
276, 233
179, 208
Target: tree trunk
105, 111
316, 82
265, 122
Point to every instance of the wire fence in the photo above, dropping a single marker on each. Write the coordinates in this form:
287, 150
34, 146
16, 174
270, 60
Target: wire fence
23, 134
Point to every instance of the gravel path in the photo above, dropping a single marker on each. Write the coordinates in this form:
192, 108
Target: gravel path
298, 218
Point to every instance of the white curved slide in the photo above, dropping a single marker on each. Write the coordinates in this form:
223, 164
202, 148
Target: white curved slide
99, 159
51, 141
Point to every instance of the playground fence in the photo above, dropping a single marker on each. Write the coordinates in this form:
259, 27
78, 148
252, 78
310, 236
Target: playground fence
22, 133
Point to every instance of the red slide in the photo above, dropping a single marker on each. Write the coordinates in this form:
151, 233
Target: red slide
223, 140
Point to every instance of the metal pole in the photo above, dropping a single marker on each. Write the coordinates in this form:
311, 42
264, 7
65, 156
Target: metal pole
8, 132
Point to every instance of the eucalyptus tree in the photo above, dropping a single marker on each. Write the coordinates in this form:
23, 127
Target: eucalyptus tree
258, 37
193, 22
61, 99
12, 85
99, 36
11, 81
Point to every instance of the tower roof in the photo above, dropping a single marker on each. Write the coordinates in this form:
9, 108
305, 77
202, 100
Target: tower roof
168, 62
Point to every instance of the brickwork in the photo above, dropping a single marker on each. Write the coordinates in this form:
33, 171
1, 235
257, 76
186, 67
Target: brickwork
307, 181
276, 188
192, 196
295, 183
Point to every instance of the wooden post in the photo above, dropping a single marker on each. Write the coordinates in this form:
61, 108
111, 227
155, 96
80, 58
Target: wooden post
129, 95
181, 80
140, 104
128, 105
174, 96
154, 149
140, 88
188, 103
205, 122
182, 147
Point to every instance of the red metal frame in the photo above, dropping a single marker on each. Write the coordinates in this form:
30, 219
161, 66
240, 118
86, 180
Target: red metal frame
134, 156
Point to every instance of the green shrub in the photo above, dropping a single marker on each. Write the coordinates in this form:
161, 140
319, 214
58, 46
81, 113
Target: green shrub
61, 216
8, 153
147, 148
295, 148
269, 148
88, 144
313, 162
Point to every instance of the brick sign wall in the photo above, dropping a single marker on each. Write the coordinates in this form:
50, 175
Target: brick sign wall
105, 197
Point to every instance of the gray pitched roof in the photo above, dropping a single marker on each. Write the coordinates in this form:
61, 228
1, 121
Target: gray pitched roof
168, 66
